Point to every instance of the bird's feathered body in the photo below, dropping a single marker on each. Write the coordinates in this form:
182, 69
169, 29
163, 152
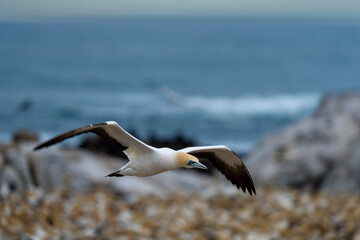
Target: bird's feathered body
146, 160
156, 161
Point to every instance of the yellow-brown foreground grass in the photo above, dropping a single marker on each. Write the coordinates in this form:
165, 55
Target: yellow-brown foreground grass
271, 214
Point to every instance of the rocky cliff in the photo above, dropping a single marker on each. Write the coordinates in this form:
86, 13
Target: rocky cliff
321, 151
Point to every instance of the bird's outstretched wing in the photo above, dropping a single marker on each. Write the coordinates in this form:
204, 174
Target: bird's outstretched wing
227, 162
109, 131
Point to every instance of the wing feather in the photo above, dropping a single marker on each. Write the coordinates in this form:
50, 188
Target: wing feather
228, 163
109, 131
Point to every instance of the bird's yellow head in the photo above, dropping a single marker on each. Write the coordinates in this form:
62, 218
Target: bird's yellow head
188, 161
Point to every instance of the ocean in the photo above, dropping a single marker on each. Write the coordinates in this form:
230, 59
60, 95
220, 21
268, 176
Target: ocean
215, 80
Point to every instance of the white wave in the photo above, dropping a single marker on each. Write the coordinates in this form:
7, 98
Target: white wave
243, 146
256, 105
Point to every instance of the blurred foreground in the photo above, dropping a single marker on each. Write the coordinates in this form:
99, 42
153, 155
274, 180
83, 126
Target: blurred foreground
272, 214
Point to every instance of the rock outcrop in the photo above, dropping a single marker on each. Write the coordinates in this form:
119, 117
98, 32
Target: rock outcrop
321, 151
25, 136
81, 171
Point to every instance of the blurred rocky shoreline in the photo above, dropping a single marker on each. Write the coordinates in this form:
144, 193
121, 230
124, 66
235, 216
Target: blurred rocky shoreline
307, 177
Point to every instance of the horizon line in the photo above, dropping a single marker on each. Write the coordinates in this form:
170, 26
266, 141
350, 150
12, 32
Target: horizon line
99, 18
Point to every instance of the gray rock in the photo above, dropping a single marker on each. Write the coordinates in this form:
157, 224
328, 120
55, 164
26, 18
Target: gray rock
82, 171
321, 151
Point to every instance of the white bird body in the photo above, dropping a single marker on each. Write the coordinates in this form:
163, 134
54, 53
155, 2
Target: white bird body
155, 161
146, 160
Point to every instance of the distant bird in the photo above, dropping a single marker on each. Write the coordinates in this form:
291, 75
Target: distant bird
25, 105
169, 94
146, 160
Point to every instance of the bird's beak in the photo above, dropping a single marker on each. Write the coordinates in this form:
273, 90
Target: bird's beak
198, 165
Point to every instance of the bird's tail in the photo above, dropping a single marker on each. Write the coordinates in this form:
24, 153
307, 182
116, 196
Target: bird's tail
115, 174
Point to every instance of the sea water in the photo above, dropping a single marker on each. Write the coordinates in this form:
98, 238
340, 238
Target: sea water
216, 80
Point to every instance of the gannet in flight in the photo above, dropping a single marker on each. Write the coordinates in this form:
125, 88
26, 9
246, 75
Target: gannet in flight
146, 160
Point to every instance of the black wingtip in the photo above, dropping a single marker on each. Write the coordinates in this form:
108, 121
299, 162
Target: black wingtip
252, 192
37, 148
251, 189
40, 146
114, 175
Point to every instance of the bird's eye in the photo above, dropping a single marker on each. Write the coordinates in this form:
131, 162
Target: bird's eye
190, 162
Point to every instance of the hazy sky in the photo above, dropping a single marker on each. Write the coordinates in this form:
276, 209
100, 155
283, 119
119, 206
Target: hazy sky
19, 9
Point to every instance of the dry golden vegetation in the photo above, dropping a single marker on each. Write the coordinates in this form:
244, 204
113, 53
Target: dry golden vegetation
271, 214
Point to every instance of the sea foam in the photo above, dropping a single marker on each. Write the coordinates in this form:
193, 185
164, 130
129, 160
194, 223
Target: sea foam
283, 104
